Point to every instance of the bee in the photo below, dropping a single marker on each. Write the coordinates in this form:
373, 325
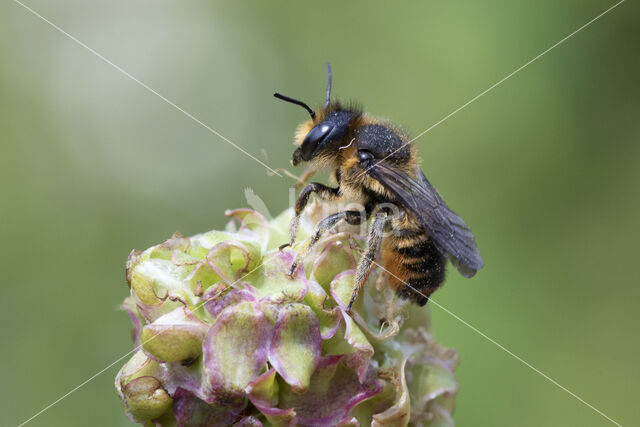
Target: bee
374, 162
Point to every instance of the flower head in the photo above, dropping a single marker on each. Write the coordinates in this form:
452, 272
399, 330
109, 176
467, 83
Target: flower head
224, 336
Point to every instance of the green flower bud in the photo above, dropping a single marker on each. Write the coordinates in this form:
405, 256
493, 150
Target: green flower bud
145, 398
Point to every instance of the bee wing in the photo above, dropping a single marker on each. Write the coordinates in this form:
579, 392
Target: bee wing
449, 232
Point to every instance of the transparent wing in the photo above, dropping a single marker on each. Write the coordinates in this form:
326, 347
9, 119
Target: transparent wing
449, 232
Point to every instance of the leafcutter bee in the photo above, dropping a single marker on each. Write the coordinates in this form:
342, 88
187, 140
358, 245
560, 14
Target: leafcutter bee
374, 161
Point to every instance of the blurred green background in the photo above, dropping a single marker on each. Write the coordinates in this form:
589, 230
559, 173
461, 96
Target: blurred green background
545, 168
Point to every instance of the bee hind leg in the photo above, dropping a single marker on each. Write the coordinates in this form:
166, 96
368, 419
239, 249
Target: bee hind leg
365, 265
323, 191
352, 217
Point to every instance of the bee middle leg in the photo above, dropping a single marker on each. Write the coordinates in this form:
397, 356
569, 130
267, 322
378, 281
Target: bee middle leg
374, 240
323, 191
351, 217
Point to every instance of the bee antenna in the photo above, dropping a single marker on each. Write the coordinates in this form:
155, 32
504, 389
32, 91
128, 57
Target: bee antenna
295, 101
326, 103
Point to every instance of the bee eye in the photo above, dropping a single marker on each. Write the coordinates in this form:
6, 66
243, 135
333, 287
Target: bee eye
313, 139
365, 156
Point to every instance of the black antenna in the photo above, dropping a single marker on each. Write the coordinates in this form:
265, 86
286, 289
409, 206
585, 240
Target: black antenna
295, 101
326, 103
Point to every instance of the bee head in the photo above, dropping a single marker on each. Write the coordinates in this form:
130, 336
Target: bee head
323, 138
323, 133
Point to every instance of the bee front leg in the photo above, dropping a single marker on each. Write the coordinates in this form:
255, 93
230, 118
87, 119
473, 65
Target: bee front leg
352, 217
374, 240
308, 173
324, 192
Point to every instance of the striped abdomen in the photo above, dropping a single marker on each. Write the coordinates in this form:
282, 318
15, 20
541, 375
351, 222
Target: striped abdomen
415, 264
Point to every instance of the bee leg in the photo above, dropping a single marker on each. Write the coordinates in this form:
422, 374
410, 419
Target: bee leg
324, 192
352, 217
308, 173
373, 246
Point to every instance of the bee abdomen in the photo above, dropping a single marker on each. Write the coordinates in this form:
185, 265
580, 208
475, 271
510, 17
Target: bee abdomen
419, 269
